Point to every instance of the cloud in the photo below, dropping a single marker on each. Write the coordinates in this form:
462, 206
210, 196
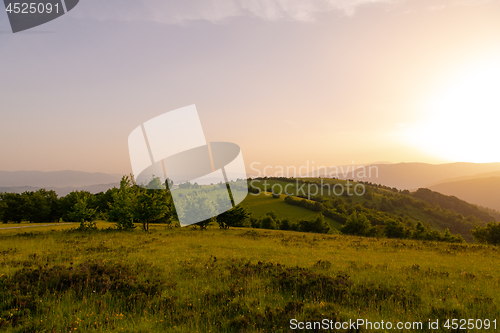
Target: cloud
184, 11
180, 12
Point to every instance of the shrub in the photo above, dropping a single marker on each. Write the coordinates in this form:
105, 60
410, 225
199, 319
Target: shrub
357, 224
395, 229
285, 224
318, 225
268, 222
490, 234
254, 222
338, 217
235, 217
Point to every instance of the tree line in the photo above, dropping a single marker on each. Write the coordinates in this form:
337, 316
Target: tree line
127, 206
131, 204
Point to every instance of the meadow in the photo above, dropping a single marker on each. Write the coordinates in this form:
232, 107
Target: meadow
236, 280
260, 205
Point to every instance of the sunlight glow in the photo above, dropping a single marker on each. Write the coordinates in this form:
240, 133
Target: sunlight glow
464, 118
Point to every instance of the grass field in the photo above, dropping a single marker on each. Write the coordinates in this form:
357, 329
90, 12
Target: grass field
260, 205
237, 280
33, 227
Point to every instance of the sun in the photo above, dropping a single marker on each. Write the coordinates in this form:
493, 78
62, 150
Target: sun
463, 117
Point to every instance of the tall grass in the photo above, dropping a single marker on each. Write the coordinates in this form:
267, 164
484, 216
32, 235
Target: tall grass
187, 280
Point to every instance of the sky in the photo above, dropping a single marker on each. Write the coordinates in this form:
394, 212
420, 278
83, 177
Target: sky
329, 82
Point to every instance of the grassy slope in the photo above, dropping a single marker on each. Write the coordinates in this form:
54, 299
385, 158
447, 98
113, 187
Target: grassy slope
186, 280
259, 205
33, 227
407, 212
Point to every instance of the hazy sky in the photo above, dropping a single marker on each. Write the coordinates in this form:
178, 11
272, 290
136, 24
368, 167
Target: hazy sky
329, 81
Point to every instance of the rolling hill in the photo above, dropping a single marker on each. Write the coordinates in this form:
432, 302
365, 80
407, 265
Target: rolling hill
61, 191
412, 176
381, 203
481, 175
480, 191
62, 182
59, 179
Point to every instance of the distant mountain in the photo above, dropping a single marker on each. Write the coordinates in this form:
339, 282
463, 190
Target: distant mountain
452, 203
343, 171
480, 191
412, 176
18, 189
57, 179
62, 191
481, 175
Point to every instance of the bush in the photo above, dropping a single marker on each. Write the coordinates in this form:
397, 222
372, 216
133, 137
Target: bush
273, 215
87, 226
235, 217
357, 224
318, 225
285, 224
268, 222
420, 232
254, 222
395, 229
490, 234
307, 204
204, 224
338, 217
254, 190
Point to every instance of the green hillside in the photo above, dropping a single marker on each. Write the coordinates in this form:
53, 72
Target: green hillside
381, 203
260, 205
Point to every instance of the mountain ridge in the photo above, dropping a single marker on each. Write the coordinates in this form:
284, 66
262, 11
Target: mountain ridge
61, 191
63, 178
479, 191
415, 175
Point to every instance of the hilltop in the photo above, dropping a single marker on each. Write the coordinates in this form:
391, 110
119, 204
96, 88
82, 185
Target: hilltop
379, 204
